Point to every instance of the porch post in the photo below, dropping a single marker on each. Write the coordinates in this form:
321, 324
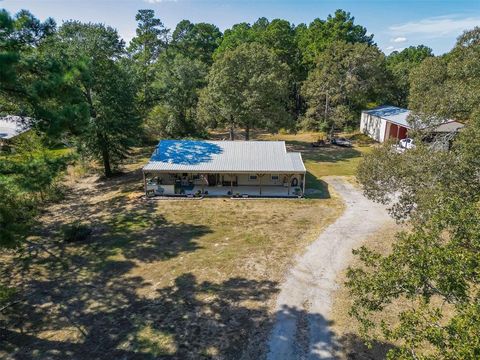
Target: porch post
260, 176
231, 183
304, 181
203, 182
398, 132
144, 183
288, 184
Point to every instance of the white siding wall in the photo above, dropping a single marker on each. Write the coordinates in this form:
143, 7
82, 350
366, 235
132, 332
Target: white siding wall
373, 126
243, 179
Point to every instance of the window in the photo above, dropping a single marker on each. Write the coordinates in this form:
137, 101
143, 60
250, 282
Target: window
275, 177
252, 177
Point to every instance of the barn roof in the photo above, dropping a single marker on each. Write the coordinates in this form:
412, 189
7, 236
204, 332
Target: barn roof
391, 113
399, 116
225, 157
11, 126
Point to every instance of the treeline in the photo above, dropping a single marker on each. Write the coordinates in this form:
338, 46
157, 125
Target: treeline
428, 284
82, 86
82, 83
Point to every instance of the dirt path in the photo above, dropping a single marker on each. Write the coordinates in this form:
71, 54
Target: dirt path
301, 329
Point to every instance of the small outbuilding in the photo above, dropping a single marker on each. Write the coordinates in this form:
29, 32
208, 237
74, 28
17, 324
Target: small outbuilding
390, 122
224, 168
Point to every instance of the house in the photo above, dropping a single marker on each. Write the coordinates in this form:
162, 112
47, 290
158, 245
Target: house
12, 126
224, 168
390, 122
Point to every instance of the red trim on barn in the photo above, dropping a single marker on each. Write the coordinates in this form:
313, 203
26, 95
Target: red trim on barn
396, 131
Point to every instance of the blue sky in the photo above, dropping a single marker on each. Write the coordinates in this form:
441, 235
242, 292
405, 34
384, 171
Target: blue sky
395, 24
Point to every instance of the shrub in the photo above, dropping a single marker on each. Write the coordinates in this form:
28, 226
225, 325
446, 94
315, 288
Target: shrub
76, 232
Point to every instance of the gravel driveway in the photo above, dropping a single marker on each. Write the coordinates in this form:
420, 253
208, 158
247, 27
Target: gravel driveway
301, 329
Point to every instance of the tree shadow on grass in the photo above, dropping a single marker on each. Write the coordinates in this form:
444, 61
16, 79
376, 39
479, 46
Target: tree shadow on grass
328, 153
308, 335
316, 188
132, 227
102, 317
355, 348
141, 233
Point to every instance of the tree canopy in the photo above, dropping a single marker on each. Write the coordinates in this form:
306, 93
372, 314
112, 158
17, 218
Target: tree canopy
434, 267
150, 42
248, 88
449, 85
401, 64
81, 86
346, 78
106, 89
196, 41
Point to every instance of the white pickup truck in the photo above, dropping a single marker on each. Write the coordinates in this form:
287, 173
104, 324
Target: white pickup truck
404, 144
407, 143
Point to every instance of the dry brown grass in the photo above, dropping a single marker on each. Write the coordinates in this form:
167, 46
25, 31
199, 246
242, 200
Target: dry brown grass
343, 325
348, 330
183, 279
323, 161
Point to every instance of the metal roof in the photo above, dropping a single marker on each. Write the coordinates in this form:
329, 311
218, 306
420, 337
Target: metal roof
399, 116
11, 126
224, 156
391, 113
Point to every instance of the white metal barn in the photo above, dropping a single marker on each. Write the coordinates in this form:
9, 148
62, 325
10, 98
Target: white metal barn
390, 122
224, 168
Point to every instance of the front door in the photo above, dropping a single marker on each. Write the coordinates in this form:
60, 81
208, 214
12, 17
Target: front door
212, 179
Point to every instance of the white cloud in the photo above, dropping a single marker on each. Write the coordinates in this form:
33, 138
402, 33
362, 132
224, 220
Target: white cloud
399, 39
435, 27
391, 49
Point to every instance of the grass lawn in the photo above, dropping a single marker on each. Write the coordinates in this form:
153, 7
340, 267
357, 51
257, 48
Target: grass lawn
345, 327
325, 161
175, 279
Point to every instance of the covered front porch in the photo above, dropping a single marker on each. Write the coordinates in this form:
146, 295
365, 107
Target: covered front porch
224, 184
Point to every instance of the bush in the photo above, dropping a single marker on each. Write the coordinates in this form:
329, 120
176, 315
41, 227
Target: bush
348, 129
76, 232
361, 139
6, 294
